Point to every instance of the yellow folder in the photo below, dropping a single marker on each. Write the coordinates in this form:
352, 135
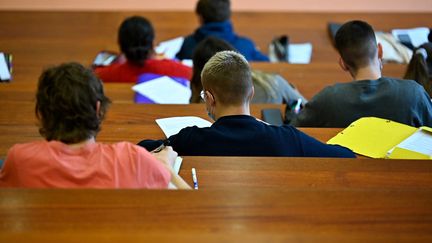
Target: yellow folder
381, 138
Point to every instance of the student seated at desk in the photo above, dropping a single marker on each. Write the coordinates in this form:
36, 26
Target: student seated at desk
227, 92
70, 106
420, 67
135, 38
403, 101
269, 88
214, 17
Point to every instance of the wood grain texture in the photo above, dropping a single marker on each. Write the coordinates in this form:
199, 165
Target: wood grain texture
234, 215
318, 173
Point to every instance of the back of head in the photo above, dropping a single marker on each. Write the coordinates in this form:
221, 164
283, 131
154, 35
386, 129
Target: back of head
228, 76
203, 52
135, 37
66, 103
356, 43
214, 10
420, 67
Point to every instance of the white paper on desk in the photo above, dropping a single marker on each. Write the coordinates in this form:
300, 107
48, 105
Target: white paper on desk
170, 48
4, 70
300, 53
164, 90
176, 168
418, 36
172, 125
420, 142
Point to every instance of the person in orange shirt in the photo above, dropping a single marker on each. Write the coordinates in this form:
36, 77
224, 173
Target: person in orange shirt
70, 106
135, 38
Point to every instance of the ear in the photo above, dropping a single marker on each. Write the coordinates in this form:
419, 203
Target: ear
343, 65
380, 51
210, 98
98, 114
252, 93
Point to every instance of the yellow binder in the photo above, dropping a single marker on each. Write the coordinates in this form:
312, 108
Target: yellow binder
381, 138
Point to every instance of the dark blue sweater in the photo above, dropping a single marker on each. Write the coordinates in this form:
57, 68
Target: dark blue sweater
243, 135
224, 31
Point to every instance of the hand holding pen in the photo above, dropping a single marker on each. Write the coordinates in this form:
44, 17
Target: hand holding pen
161, 147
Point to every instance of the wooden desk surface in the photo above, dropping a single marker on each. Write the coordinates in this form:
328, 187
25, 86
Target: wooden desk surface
319, 173
42, 39
124, 122
229, 215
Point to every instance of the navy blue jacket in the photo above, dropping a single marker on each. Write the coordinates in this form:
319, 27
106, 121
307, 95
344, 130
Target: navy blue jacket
224, 31
242, 135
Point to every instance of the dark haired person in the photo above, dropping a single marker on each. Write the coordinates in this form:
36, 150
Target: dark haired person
269, 88
227, 92
70, 106
135, 38
214, 17
370, 94
420, 67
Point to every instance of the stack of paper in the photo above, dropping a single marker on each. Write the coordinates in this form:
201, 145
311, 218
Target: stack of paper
173, 125
418, 36
164, 90
4, 69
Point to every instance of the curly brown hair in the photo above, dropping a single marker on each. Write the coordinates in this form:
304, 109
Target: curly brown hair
66, 103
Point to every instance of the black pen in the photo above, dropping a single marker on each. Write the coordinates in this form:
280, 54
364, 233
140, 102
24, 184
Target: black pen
165, 143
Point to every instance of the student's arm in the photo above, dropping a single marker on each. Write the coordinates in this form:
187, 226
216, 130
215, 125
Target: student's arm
314, 113
288, 91
314, 148
168, 156
424, 109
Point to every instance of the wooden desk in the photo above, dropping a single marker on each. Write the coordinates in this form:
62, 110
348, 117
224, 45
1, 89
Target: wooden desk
39, 38
124, 122
319, 173
229, 215
42, 39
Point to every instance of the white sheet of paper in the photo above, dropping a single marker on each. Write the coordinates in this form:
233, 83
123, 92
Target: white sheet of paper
420, 141
170, 48
418, 36
176, 167
164, 90
300, 53
172, 125
4, 70
187, 62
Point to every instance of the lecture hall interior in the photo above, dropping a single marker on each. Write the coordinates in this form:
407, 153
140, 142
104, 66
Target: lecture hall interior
240, 198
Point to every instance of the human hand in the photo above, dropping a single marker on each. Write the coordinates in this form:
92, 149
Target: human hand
167, 156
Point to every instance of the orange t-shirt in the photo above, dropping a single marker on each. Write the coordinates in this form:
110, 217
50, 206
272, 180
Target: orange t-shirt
53, 164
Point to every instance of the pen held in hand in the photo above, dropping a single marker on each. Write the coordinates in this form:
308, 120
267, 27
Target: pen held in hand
161, 147
297, 106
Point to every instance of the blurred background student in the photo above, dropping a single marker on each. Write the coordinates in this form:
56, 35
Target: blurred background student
214, 18
269, 88
135, 38
70, 106
420, 67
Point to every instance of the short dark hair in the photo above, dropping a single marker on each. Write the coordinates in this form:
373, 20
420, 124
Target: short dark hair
356, 43
214, 10
202, 53
135, 37
66, 103
228, 75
